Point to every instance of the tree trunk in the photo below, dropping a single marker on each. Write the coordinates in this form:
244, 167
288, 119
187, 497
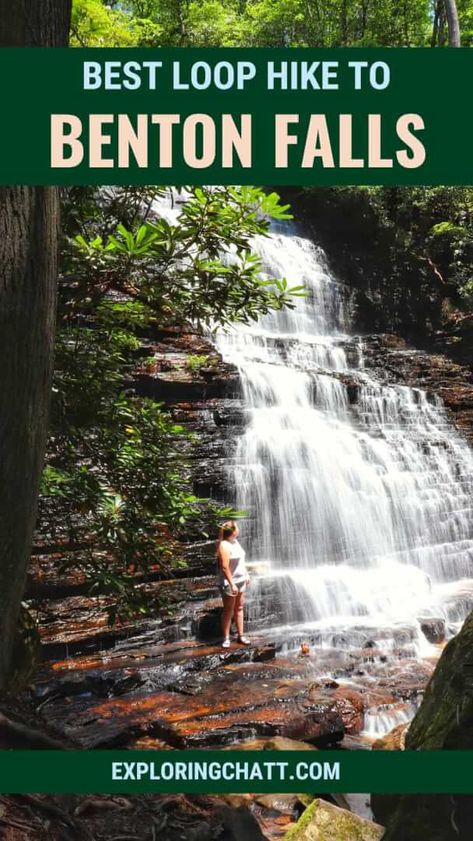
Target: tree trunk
451, 13
34, 23
364, 17
344, 23
28, 271
435, 29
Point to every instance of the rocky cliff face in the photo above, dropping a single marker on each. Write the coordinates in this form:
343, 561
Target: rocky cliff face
202, 392
381, 248
207, 399
395, 362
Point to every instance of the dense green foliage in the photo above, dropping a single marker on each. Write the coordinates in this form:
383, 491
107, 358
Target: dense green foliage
409, 250
263, 23
98, 24
115, 486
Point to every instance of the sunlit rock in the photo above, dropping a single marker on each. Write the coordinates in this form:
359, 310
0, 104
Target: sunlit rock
322, 821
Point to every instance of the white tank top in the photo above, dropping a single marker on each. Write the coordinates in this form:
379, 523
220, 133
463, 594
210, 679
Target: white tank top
237, 559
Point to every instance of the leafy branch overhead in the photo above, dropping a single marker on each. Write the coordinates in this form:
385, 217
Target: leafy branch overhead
199, 268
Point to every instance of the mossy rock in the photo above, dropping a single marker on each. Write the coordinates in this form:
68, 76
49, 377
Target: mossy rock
444, 720
322, 821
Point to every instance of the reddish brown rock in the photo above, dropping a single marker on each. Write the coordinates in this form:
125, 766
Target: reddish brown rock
350, 705
226, 710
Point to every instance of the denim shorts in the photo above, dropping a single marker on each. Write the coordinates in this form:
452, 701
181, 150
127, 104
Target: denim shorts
225, 587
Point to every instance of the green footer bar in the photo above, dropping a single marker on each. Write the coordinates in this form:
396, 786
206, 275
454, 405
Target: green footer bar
212, 772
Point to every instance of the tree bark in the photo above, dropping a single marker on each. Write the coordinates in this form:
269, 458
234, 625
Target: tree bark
28, 273
34, 23
344, 23
435, 29
451, 13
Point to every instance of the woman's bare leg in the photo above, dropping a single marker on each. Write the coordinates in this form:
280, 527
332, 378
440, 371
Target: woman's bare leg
238, 613
227, 613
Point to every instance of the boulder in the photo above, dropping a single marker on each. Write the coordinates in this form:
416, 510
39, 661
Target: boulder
433, 629
444, 721
322, 821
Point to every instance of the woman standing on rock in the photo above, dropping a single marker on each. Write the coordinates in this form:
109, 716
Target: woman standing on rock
233, 581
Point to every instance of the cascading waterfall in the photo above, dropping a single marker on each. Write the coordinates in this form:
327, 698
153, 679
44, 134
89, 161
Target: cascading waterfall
359, 505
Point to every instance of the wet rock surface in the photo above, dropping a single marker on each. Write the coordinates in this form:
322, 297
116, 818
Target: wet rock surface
395, 362
433, 629
166, 682
186, 695
154, 684
394, 740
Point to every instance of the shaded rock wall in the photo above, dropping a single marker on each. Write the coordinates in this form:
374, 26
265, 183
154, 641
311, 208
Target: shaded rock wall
429, 817
394, 361
208, 400
203, 394
444, 721
445, 718
380, 252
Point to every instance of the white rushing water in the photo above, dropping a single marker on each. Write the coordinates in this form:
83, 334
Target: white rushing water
360, 504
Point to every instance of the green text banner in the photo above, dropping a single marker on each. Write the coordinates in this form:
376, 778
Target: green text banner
236, 116
236, 771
